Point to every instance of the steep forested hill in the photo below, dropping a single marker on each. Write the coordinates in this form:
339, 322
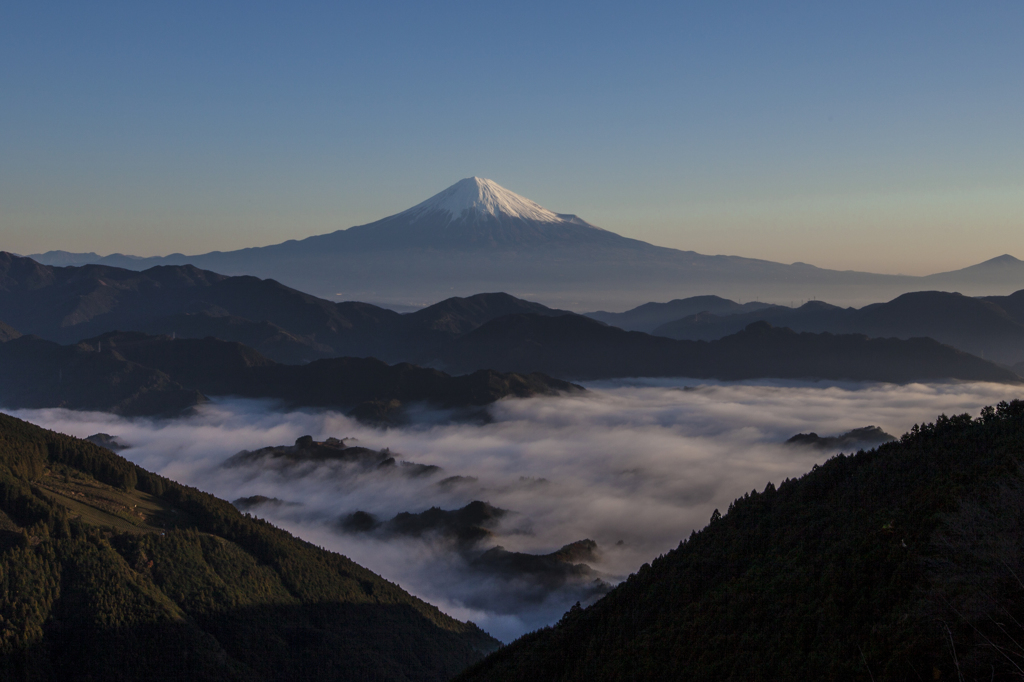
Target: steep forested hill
901, 563
109, 572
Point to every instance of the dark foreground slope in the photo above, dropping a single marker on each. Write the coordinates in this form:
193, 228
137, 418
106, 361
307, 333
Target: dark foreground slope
137, 374
574, 347
108, 572
900, 563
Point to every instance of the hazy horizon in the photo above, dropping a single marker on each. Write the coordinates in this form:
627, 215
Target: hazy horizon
874, 138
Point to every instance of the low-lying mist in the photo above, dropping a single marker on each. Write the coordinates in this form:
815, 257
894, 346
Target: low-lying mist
634, 466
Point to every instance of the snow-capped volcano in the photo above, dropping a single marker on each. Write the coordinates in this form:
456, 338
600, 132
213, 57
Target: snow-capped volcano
473, 214
481, 196
478, 236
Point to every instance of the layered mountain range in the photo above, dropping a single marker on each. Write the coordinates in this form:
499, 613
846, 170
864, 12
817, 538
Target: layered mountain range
68, 304
478, 236
131, 373
990, 326
577, 347
265, 329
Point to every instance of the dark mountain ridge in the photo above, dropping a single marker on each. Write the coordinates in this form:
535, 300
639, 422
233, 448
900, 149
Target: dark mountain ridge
899, 563
35, 373
294, 327
583, 349
136, 374
1013, 304
650, 316
74, 303
991, 327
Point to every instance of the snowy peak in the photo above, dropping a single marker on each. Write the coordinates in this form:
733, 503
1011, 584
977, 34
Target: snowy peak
480, 196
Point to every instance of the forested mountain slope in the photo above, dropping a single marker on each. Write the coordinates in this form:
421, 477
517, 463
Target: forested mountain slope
900, 563
109, 572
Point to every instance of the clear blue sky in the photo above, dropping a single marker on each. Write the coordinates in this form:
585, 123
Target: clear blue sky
868, 135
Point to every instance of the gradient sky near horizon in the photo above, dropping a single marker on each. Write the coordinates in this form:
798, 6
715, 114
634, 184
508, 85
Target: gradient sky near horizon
874, 136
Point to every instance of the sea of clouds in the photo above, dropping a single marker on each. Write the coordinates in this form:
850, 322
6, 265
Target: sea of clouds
632, 465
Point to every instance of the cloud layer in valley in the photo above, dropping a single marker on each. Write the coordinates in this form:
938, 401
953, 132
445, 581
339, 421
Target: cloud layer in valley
634, 466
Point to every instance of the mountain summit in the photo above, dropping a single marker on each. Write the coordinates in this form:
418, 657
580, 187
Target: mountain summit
467, 199
473, 213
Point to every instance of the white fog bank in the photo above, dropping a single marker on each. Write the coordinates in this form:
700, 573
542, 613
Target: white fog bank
634, 466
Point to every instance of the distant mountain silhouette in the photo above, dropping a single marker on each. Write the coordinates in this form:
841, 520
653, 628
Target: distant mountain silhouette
991, 327
650, 316
478, 236
63, 304
73, 303
575, 347
982, 278
1012, 304
267, 338
135, 374
69, 304
35, 373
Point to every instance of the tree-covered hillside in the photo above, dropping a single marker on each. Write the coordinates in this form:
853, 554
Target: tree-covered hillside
109, 572
902, 563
